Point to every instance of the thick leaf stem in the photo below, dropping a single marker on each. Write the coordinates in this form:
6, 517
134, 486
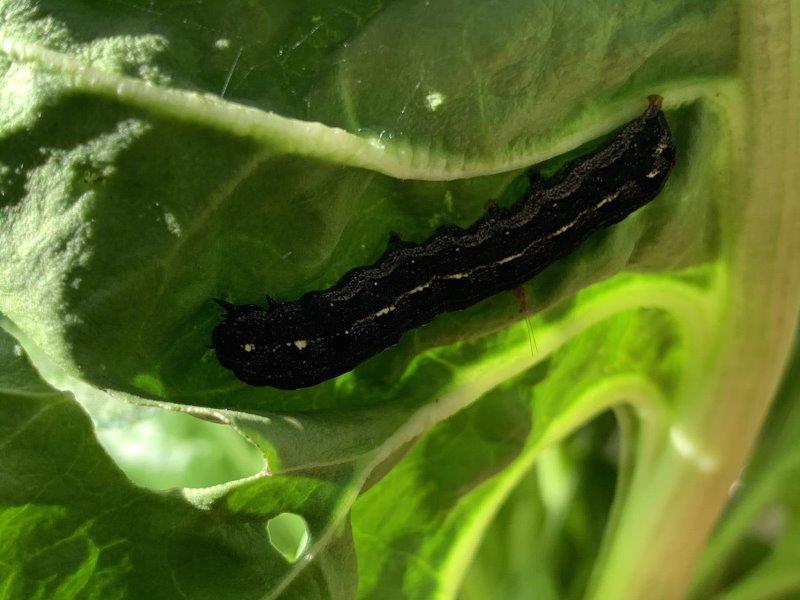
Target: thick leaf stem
674, 502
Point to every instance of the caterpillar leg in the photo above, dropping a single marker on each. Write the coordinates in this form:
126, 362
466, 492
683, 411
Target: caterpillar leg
524, 308
521, 297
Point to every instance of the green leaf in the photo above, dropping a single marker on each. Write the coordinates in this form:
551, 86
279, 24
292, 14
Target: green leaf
72, 525
139, 215
454, 481
154, 155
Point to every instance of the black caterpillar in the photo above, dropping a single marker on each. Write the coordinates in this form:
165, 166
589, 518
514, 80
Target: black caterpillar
326, 333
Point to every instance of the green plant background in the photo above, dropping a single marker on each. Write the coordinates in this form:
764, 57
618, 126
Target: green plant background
156, 154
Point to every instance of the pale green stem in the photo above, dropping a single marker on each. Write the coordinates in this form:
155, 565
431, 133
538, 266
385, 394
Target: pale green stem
674, 503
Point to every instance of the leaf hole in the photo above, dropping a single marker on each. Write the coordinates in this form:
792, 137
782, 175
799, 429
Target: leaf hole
288, 534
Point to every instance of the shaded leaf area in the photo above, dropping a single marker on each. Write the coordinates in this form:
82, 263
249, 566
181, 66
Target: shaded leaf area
418, 529
544, 538
110, 258
17, 374
753, 553
71, 524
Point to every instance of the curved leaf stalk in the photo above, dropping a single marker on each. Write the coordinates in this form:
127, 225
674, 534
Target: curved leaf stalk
674, 502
